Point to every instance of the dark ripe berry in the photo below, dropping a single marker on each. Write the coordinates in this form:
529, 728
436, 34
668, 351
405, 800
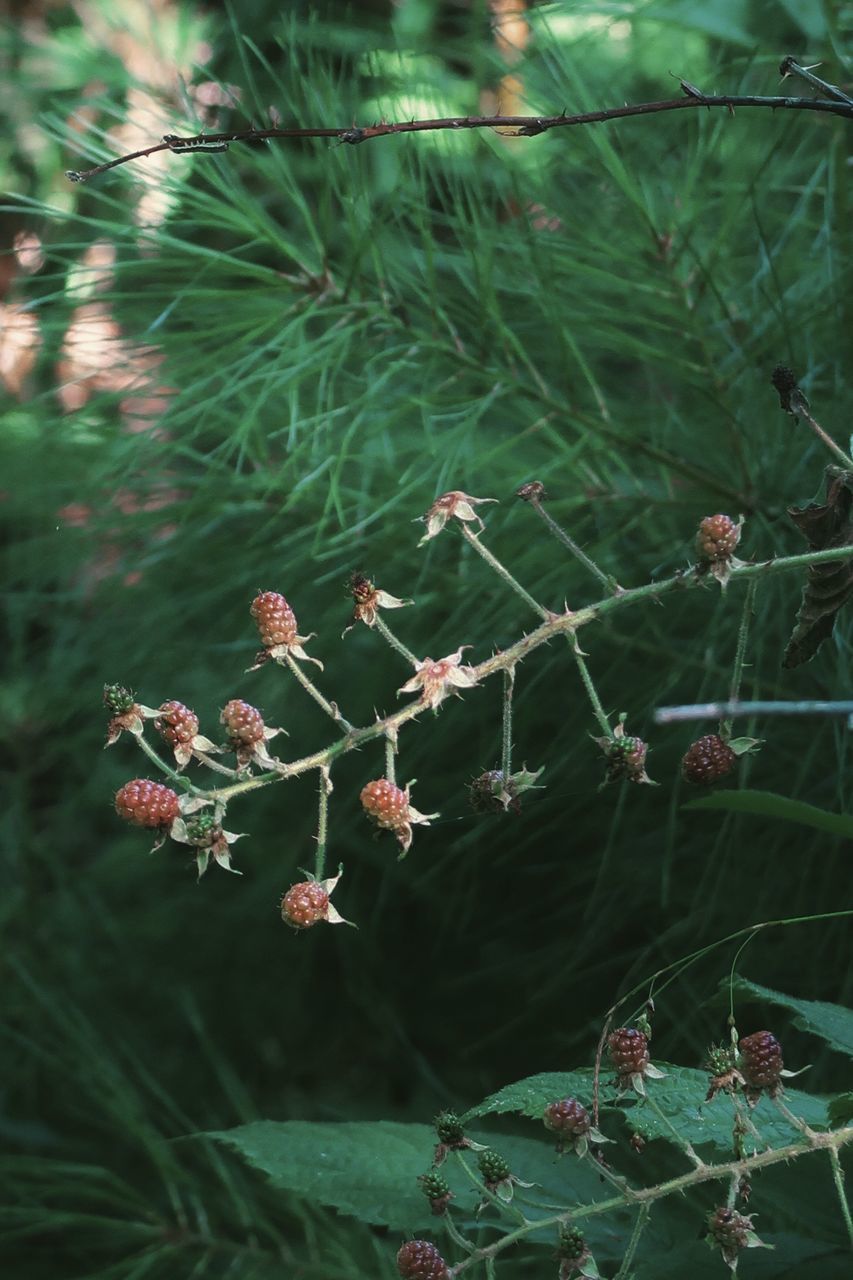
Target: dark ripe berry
629, 1052
785, 382
176, 723
493, 1167
449, 1129
118, 699
420, 1260
571, 1245
708, 760
244, 723
567, 1118
761, 1061
638, 1143
729, 1229
147, 804
275, 619
385, 803
717, 537
305, 904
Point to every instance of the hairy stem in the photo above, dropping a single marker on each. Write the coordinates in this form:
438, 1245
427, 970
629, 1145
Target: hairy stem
737, 670
838, 1179
506, 724
310, 688
325, 789
493, 563
639, 1226
390, 753
605, 579
387, 634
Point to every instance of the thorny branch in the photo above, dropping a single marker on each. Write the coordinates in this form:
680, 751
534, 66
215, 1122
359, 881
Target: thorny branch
563, 624
836, 102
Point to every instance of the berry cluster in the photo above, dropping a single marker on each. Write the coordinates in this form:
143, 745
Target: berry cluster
708, 760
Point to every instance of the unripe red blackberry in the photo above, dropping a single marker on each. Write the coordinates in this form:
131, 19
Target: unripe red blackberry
176, 723
760, 1061
244, 723
275, 619
118, 700
568, 1118
305, 904
729, 1230
717, 537
629, 1053
708, 760
203, 830
385, 803
147, 804
493, 1167
420, 1260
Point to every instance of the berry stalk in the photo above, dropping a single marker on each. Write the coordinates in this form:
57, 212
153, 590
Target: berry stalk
506, 722
737, 670
607, 581
624, 1271
310, 688
325, 789
387, 634
502, 572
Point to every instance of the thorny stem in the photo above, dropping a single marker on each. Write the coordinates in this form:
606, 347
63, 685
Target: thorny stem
390, 753
737, 670
556, 624
521, 126
838, 1179
830, 1141
309, 687
605, 579
639, 1226
455, 1234
790, 67
607, 1175
596, 1074
493, 563
385, 631
592, 693
506, 724
322, 822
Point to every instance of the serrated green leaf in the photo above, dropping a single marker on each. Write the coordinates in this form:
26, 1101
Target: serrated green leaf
680, 1097
766, 804
830, 1022
368, 1169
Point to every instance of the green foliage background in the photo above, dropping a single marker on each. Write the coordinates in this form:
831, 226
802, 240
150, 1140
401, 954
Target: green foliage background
349, 332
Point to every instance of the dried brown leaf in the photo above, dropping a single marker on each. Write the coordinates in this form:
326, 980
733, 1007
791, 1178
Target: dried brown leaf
828, 586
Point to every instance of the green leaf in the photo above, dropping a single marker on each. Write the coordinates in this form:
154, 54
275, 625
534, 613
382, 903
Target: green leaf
830, 1022
680, 1097
368, 1169
766, 804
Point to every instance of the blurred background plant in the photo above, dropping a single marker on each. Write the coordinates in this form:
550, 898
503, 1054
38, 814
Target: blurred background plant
226, 373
